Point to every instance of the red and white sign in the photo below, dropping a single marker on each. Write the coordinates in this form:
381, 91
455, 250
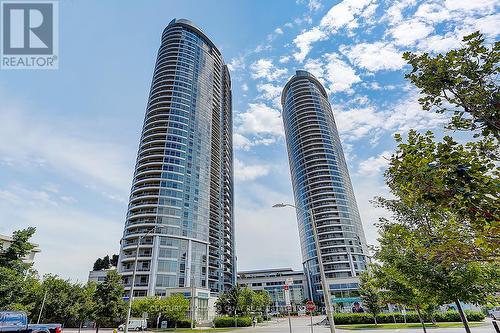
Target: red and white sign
310, 306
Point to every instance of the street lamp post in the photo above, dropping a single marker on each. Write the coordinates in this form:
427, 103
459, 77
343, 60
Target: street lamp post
324, 285
131, 293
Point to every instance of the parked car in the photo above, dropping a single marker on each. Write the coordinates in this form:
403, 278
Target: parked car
17, 321
135, 325
495, 313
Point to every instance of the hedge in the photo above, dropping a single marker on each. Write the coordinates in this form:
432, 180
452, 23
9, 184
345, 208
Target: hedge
229, 321
411, 317
185, 323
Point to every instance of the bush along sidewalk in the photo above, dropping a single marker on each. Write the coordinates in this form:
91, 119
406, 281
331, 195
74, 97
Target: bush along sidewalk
230, 322
411, 317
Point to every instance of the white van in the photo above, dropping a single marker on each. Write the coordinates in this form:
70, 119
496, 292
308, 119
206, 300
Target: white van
135, 325
495, 313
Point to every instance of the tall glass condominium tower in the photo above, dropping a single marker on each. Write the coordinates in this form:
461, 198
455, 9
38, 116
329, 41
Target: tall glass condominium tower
181, 202
321, 185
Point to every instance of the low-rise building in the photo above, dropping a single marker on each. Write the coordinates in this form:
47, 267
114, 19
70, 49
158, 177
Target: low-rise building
99, 276
273, 281
5, 242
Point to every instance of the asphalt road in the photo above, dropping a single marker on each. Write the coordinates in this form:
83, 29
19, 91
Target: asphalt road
302, 325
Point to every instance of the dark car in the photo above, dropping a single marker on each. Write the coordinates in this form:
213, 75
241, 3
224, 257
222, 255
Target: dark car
17, 322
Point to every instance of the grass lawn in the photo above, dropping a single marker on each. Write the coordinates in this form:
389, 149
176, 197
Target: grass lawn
402, 325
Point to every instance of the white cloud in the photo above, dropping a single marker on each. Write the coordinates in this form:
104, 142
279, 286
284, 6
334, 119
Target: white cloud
245, 172
439, 43
487, 25
270, 93
343, 14
316, 68
241, 142
340, 75
63, 230
356, 123
284, 59
259, 119
339, 16
432, 12
244, 87
237, 63
482, 6
394, 14
333, 72
374, 164
409, 32
278, 31
264, 69
78, 158
374, 56
407, 114
314, 5
368, 121
305, 39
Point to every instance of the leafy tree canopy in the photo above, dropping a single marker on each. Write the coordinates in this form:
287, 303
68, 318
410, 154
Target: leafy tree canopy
463, 82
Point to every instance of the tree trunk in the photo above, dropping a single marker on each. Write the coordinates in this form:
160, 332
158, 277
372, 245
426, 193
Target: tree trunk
96, 328
80, 327
375, 319
421, 319
462, 316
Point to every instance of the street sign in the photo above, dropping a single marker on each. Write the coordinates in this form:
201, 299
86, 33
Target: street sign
287, 296
310, 306
126, 298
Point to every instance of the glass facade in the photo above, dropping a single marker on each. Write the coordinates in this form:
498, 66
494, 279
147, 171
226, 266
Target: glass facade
183, 180
321, 186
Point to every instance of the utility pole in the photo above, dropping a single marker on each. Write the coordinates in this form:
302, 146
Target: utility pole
41, 308
193, 299
324, 285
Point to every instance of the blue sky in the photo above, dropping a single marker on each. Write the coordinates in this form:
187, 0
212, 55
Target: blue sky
69, 137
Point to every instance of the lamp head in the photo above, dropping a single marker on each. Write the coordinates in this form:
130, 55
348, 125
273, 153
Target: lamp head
279, 205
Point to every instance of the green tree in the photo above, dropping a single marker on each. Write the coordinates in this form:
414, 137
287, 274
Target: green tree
463, 82
114, 260
83, 307
153, 306
60, 298
454, 184
227, 303
12, 257
370, 295
108, 299
175, 308
397, 288
410, 255
18, 281
246, 301
261, 301
445, 232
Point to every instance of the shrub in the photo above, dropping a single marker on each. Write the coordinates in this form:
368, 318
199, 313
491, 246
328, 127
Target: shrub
450, 316
185, 323
411, 317
229, 321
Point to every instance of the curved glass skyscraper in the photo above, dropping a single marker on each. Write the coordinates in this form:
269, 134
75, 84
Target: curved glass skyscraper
183, 180
321, 185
